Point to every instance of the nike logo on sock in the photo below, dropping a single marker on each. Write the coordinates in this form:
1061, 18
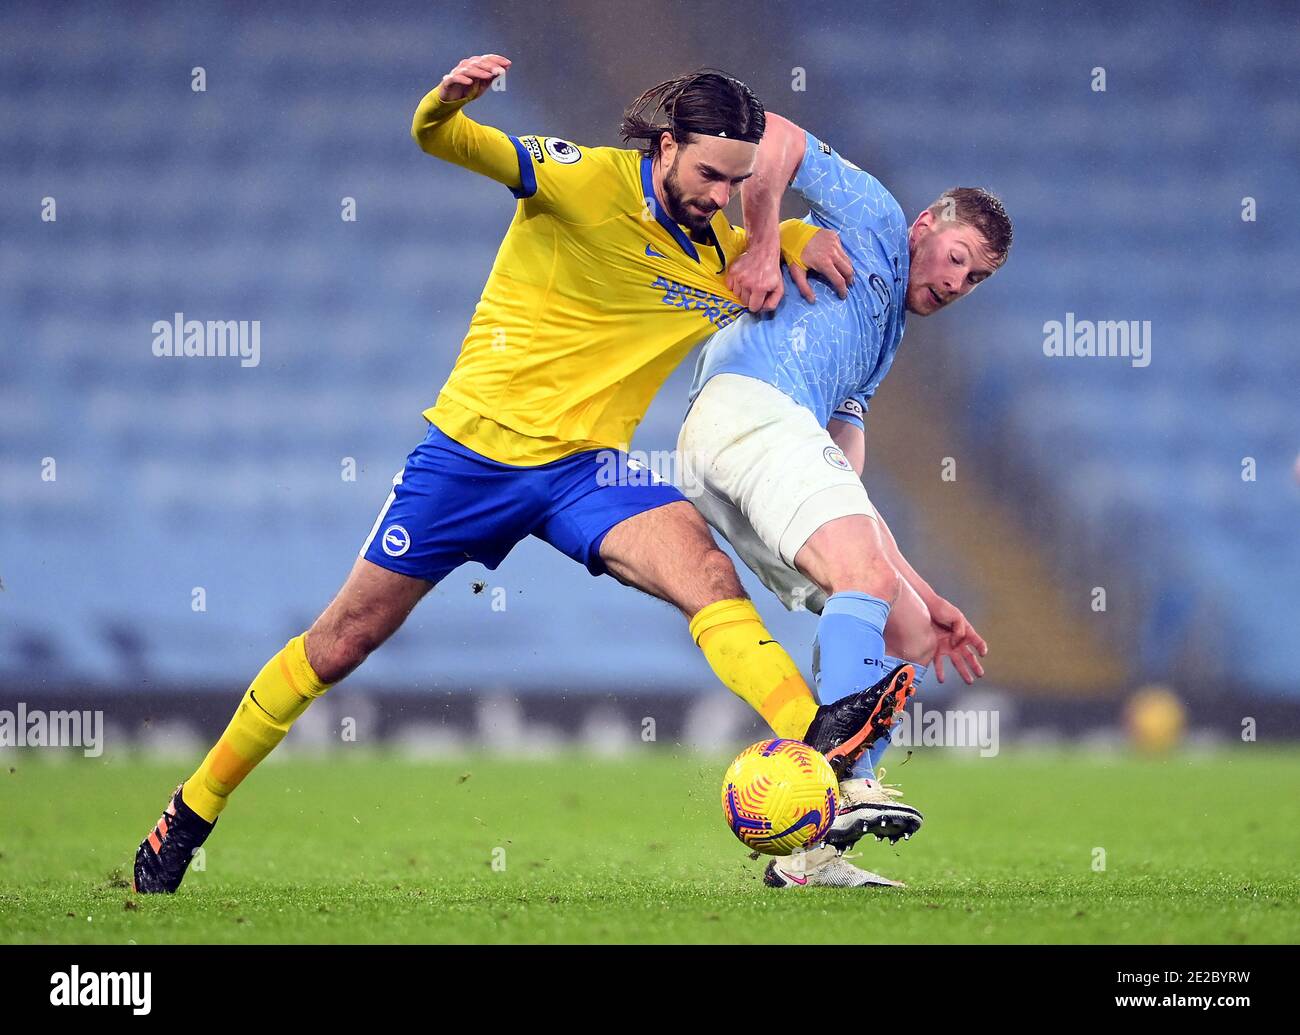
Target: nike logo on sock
253, 697
762, 642
654, 254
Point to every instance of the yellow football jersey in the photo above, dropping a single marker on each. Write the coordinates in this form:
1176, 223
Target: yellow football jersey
594, 297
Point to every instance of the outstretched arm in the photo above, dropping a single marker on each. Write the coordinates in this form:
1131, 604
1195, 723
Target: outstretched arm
442, 129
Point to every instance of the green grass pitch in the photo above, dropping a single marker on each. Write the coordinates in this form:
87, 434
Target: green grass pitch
369, 848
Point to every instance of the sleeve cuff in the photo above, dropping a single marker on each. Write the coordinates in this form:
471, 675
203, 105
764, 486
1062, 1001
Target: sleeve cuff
851, 411
433, 110
527, 174
795, 235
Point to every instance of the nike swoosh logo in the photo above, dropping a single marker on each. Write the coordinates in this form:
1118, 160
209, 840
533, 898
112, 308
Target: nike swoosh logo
797, 880
253, 697
651, 252
761, 642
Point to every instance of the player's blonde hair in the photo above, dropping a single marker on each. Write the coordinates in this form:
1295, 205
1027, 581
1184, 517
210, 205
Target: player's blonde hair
981, 209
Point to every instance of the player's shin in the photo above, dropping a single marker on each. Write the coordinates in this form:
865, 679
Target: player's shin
851, 644
745, 656
281, 692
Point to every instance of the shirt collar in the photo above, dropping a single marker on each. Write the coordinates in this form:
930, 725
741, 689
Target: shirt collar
667, 222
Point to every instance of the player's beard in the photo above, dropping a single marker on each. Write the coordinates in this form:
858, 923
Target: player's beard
676, 202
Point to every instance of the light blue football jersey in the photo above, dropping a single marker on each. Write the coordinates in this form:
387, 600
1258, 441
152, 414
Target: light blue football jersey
831, 355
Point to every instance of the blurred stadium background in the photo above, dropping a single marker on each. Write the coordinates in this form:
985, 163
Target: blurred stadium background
1072, 474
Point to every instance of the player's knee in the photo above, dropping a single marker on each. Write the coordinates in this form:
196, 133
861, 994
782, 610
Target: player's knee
718, 577
335, 651
878, 579
846, 563
330, 658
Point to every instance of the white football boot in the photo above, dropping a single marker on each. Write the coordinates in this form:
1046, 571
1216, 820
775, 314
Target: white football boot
868, 806
822, 866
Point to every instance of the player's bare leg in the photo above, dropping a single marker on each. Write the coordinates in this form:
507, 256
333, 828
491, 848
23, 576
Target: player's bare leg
848, 555
670, 553
369, 608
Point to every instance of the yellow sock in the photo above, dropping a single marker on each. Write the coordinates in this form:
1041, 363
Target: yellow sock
754, 666
279, 694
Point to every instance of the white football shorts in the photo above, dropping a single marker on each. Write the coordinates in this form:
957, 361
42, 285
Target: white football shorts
766, 475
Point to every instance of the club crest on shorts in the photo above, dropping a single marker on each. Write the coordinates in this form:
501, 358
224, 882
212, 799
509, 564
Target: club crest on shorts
836, 458
396, 540
562, 151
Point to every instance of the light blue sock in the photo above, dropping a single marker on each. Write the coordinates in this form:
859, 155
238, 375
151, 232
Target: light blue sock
850, 644
870, 760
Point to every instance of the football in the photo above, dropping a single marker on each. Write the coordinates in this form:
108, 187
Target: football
779, 795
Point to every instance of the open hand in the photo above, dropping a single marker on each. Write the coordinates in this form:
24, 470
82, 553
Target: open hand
472, 76
958, 642
825, 256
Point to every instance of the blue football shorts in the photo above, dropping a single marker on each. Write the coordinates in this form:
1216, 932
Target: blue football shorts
450, 505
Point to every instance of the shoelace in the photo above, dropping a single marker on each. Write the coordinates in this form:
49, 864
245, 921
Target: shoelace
877, 792
891, 789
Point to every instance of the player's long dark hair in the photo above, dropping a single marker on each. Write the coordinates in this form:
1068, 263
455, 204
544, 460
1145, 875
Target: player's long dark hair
705, 101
